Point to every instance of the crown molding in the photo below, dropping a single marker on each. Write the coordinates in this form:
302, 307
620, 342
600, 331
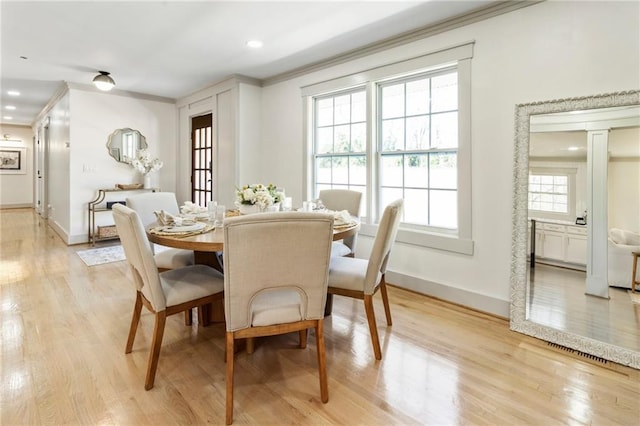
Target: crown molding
495, 9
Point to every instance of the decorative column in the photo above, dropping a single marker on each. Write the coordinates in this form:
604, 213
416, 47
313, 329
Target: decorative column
597, 209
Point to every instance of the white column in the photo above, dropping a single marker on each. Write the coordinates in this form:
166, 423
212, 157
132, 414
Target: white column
597, 220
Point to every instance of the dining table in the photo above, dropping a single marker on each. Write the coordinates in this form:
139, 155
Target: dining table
208, 246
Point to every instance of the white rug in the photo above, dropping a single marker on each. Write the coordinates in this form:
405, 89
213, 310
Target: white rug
99, 256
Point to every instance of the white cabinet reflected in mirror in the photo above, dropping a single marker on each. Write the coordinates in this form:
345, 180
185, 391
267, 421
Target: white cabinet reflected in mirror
123, 144
577, 177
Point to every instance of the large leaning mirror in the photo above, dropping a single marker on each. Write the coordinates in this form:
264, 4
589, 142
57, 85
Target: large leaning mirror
125, 143
576, 199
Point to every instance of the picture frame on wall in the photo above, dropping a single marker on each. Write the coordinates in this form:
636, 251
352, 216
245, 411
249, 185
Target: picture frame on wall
12, 160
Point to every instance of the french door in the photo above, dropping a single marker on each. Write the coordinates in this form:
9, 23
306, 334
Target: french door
202, 159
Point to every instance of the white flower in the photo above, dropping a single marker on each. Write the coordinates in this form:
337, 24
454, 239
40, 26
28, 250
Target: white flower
143, 162
258, 194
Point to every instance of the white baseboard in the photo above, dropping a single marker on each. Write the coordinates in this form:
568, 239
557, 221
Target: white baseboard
462, 297
16, 206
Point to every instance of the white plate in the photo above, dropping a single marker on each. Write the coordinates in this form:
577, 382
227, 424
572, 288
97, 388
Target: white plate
185, 228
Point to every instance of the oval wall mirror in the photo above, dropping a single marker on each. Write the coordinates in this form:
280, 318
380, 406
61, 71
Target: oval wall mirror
125, 143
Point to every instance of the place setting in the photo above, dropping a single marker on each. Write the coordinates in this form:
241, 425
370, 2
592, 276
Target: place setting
193, 220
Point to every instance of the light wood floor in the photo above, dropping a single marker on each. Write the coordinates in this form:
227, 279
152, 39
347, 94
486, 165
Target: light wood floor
557, 299
64, 327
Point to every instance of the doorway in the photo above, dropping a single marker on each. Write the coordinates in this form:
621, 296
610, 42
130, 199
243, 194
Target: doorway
202, 159
42, 158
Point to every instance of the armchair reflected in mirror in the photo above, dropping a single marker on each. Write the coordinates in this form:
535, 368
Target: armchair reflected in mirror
125, 143
564, 293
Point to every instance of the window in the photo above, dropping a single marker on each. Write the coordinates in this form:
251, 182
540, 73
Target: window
399, 131
418, 145
552, 192
549, 193
340, 141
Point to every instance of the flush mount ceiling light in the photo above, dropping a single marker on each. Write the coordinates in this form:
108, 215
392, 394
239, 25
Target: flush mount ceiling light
103, 81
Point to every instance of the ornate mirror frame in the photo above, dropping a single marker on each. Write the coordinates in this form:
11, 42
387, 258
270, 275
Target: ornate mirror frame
519, 287
116, 142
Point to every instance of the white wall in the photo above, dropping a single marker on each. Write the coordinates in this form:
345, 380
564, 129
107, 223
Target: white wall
57, 176
79, 163
546, 51
16, 190
624, 194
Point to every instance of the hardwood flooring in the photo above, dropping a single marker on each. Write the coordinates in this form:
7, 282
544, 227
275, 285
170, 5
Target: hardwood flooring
557, 299
64, 329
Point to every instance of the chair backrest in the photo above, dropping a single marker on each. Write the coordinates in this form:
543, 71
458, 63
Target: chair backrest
271, 252
387, 231
342, 199
139, 255
149, 202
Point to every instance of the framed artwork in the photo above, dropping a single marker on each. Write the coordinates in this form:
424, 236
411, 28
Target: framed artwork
12, 161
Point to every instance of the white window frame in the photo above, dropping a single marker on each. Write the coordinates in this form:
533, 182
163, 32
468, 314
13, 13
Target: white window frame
458, 241
570, 173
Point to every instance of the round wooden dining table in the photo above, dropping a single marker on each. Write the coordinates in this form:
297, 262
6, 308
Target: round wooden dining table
206, 245
207, 248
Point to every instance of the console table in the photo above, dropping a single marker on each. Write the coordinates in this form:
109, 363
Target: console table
99, 205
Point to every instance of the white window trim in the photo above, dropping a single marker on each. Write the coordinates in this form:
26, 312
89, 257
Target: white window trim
459, 55
571, 193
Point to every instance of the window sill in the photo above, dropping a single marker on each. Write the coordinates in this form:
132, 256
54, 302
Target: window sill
425, 239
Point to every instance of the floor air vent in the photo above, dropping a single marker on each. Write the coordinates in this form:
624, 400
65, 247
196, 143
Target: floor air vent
576, 352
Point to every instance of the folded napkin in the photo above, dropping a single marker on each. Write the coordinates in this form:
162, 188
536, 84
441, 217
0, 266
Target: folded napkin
342, 218
192, 208
167, 219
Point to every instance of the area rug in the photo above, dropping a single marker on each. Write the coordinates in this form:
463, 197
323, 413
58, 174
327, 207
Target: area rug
635, 297
99, 256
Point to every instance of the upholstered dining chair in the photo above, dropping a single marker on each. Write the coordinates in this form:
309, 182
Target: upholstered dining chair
145, 205
343, 199
273, 289
163, 293
361, 279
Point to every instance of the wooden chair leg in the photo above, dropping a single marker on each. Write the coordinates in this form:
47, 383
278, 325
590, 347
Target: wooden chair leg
322, 361
156, 343
303, 338
188, 317
385, 300
251, 345
328, 307
373, 329
229, 406
135, 320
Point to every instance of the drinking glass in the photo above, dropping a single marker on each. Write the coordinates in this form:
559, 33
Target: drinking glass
220, 211
287, 204
211, 209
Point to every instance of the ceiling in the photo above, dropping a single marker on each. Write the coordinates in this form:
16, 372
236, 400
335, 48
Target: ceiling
174, 48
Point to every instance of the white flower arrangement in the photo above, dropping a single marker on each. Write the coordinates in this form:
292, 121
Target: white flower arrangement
143, 162
258, 194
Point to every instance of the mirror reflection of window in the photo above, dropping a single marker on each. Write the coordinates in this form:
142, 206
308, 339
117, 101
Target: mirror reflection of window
123, 144
129, 144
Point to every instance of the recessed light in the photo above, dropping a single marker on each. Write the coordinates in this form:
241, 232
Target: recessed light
13, 93
255, 44
573, 148
11, 107
8, 117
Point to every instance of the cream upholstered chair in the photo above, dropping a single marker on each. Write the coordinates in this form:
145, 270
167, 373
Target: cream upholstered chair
361, 279
165, 293
275, 279
621, 243
343, 199
145, 205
